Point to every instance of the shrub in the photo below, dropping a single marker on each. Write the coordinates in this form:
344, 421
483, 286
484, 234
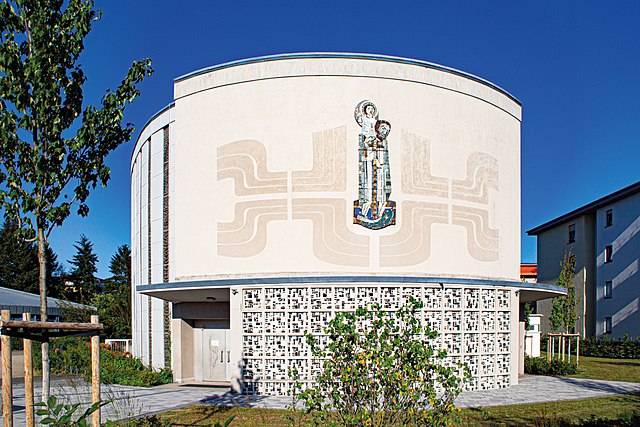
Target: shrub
72, 356
61, 415
541, 366
379, 369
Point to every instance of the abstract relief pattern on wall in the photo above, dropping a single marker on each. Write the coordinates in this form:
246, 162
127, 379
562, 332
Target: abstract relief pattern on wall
318, 195
265, 196
245, 162
467, 201
473, 325
246, 234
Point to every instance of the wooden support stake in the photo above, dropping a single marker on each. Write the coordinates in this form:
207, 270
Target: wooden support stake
95, 373
28, 375
7, 376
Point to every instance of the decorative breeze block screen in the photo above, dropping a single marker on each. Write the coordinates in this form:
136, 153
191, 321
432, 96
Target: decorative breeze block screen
473, 323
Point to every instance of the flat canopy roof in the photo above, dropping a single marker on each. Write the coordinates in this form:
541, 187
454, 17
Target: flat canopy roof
218, 289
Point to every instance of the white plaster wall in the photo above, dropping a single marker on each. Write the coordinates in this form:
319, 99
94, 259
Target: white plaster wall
458, 116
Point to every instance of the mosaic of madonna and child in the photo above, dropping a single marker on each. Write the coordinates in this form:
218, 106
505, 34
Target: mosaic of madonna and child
373, 209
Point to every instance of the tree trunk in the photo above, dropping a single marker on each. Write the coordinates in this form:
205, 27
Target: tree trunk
42, 281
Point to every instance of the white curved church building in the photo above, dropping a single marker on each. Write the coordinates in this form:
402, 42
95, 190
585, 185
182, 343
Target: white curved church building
275, 191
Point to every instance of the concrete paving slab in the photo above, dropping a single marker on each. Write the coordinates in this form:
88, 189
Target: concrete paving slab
137, 401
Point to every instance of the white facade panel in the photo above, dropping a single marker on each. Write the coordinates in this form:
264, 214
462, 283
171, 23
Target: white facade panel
135, 256
157, 318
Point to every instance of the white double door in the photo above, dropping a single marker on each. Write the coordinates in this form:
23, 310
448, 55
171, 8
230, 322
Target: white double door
215, 355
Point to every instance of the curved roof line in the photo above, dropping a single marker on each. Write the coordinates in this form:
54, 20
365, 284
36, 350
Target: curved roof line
152, 118
347, 55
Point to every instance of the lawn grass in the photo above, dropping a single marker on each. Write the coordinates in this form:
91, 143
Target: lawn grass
567, 412
202, 415
571, 412
564, 413
600, 368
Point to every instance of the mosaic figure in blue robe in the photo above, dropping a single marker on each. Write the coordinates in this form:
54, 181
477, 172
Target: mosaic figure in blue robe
373, 209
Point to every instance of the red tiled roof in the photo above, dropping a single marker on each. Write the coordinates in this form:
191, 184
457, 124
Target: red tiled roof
528, 269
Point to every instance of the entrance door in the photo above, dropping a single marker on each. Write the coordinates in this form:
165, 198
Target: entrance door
215, 343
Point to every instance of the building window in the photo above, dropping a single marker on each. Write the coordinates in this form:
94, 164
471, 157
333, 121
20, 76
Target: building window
572, 233
607, 289
608, 253
609, 218
607, 325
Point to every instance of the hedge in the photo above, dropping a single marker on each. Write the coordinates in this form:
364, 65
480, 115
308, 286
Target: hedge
612, 348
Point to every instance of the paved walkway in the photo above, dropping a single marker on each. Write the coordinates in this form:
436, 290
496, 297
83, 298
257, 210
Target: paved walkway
17, 361
136, 401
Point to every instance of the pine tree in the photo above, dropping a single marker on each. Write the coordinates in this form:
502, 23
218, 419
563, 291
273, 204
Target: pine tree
19, 263
114, 306
18, 260
55, 273
84, 270
120, 268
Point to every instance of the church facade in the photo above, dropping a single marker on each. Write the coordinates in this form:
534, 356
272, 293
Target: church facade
274, 192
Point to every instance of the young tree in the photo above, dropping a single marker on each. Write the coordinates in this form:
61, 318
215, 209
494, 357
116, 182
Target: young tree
567, 274
527, 312
84, 269
52, 150
380, 369
563, 310
555, 320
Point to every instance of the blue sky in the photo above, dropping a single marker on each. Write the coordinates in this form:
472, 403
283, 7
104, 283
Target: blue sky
575, 66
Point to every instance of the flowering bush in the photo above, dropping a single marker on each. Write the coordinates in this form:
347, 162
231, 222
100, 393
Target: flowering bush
379, 369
